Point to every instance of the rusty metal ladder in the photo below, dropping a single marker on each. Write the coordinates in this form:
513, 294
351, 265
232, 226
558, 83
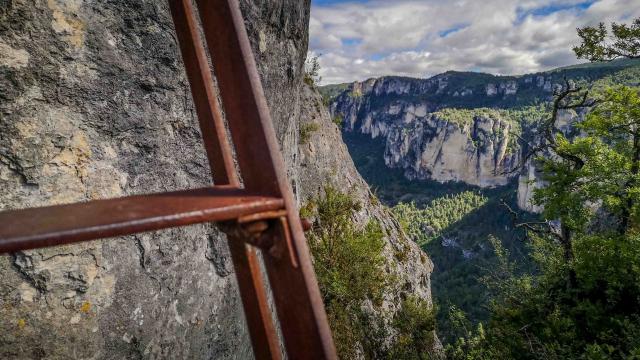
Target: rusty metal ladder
259, 214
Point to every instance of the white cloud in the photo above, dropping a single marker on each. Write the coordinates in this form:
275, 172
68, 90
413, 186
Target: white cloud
424, 37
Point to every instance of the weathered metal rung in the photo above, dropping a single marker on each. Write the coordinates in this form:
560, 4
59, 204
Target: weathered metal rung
60, 224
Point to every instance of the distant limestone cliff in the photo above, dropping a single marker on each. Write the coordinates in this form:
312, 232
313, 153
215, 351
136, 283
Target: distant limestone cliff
476, 152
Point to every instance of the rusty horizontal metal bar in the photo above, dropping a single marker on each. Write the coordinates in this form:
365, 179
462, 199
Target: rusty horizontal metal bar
62, 224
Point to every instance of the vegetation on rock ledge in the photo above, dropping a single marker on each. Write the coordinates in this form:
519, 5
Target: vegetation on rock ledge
350, 267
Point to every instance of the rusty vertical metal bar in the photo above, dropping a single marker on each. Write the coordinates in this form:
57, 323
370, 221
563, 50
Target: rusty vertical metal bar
298, 302
246, 263
204, 96
264, 337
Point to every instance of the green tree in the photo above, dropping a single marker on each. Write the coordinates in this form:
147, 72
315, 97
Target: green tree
599, 45
603, 166
351, 271
415, 323
615, 126
349, 265
584, 302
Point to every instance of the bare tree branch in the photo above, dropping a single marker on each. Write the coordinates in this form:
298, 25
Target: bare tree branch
537, 227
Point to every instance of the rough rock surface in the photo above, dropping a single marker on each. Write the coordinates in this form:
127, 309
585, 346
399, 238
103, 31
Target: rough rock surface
94, 103
528, 181
432, 148
530, 177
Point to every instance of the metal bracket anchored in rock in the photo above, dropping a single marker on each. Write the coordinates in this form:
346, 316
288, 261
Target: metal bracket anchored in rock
267, 230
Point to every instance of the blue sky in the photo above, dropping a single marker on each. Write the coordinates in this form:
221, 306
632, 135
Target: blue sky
358, 39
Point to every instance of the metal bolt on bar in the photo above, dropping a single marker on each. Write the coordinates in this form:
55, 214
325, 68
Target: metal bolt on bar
261, 215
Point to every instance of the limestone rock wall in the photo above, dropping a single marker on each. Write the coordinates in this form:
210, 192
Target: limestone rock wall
431, 148
530, 177
528, 181
94, 103
484, 152
422, 144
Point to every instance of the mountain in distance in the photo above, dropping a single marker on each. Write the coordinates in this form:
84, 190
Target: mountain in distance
453, 144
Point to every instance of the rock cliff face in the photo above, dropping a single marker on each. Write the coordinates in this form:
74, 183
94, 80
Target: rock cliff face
94, 103
528, 181
433, 148
478, 151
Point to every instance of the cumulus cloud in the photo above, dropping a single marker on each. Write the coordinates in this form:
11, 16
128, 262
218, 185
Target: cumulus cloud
420, 38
